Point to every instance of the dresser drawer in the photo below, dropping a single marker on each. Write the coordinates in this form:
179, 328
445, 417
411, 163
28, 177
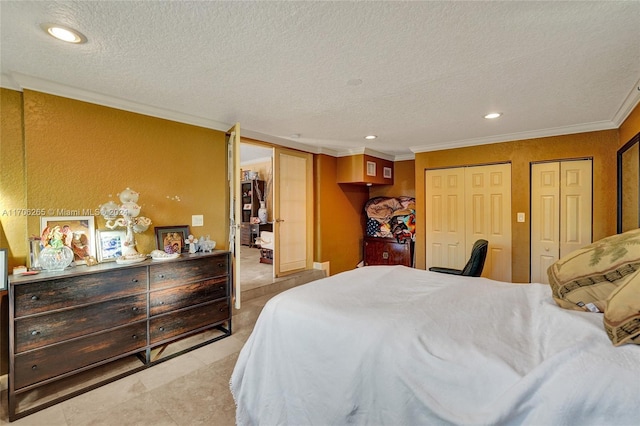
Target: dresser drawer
35, 331
41, 364
35, 297
177, 323
173, 273
173, 298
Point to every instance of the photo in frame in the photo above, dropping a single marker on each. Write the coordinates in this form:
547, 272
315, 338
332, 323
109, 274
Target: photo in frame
109, 244
79, 234
4, 273
172, 239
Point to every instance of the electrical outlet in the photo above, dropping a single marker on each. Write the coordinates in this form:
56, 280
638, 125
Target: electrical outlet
520, 217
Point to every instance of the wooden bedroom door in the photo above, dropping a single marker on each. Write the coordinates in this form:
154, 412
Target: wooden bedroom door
464, 204
561, 212
293, 211
235, 217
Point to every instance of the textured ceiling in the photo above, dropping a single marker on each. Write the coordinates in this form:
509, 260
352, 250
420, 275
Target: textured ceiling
427, 71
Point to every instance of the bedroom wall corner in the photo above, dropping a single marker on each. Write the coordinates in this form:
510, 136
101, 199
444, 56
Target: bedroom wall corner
404, 181
339, 227
630, 127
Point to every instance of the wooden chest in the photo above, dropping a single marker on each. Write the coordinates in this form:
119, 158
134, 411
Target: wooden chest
387, 251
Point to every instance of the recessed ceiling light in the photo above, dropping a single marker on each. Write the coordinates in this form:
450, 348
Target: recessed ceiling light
64, 33
493, 115
370, 137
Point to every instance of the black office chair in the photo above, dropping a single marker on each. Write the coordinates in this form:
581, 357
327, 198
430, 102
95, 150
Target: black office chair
474, 265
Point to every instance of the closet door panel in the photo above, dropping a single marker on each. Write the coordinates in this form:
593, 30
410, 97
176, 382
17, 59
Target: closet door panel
576, 205
465, 204
444, 211
488, 201
561, 212
545, 219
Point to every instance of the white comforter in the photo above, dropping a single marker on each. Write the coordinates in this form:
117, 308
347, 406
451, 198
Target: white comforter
391, 345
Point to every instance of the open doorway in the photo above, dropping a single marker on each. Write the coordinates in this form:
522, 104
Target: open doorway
256, 190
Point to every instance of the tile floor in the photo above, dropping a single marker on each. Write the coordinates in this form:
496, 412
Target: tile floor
191, 389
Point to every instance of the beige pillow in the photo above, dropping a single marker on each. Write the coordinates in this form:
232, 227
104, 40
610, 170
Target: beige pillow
622, 312
592, 273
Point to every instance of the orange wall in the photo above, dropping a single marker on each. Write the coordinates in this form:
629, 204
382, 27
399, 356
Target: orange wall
404, 182
601, 146
13, 227
339, 227
630, 127
79, 155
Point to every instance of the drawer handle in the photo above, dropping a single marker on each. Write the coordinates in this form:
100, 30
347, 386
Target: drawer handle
221, 287
134, 337
161, 275
161, 329
162, 303
135, 309
34, 298
35, 332
222, 309
135, 280
220, 265
34, 367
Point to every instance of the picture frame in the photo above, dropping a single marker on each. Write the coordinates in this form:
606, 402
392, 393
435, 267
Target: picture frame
4, 272
386, 172
371, 168
109, 244
82, 231
172, 239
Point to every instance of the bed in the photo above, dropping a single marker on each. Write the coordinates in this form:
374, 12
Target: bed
392, 345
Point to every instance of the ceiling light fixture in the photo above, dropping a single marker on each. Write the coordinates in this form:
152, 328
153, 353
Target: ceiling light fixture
493, 115
370, 137
64, 33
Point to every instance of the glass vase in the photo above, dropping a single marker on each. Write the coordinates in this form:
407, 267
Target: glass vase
55, 259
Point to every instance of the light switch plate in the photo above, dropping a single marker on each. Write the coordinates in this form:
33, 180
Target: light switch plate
520, 217
197, 220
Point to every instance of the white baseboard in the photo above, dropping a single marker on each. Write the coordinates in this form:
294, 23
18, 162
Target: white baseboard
322, 266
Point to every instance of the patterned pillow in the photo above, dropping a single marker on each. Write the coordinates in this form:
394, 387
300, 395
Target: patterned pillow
592, 273
622, 313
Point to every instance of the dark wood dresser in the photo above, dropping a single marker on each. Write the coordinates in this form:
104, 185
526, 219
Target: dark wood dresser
73, 331
387, 251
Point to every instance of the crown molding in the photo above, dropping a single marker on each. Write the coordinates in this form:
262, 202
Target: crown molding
53, 88
366, 151
630, 102
556, 131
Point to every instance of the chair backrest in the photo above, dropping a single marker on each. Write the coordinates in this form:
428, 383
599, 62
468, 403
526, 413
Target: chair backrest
474, 266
